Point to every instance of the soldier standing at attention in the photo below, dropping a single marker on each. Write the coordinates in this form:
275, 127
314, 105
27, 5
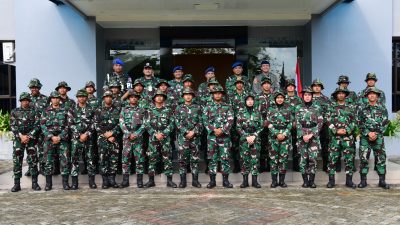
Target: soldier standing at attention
93, 102
65, 102
149, 81
371, 80
218, 120
203, 87
343, 82
24, 123
265, 72
175, 86
237, 69
118, 76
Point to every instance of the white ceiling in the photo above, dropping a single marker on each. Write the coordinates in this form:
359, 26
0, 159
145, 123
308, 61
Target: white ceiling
156, 13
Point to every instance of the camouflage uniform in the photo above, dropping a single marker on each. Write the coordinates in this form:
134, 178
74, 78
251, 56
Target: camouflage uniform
94, 103
149, 87
65, 102
122, 79
174, 92
230, 84
24, 121
351, 98
257, 87
206, 97
218, 115
373, 118
363, 100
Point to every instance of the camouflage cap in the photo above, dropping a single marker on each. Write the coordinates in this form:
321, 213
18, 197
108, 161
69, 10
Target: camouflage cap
218, 88
162, 81
81, 93
279, 92
64, 85
338, 90
343, 79
212, 81
317, 82
250, 95
35, 83
133, 93
25, 96
159, 92
290, 82
307, 90
54, 94
90, 83
372, 89
266, 79
188, 90
108, 94
371, 76
136, 82
188, 77
114, 83
239, 80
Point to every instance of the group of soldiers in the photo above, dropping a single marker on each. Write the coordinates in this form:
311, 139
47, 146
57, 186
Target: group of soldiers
141, 124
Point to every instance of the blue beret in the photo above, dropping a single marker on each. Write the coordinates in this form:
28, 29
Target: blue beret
210, 69
118, 61
177, 68
237, 63
265, 62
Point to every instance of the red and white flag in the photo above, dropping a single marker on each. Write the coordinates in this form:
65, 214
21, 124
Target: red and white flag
298, 78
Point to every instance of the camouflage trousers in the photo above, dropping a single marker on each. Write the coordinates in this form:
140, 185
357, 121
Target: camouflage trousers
249, 156
133, 148
18, 157
108, 155
279, 154
188, 152
338, 145
308, 154
77, 149
162, 147
378, 148
218, 150
51, 151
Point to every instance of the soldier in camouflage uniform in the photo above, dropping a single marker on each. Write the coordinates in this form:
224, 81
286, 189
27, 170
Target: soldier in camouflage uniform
189, 128
159, 125
106, 121
309, 121
373, 121
292, 101
218, 120
249, 123
237, 68
93, 102
144, 101
265, 72
341, 123
175, 86
343, 82
131, 121
24, 123
54, 124
371, 80
203, 87
188, 82
164, 86
207, 98
81, 125
149, 82
280, 122
323, 101
65, 102
39, 101
117, 76
115, 89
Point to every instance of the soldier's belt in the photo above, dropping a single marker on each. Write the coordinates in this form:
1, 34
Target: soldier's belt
280, 127
308, 125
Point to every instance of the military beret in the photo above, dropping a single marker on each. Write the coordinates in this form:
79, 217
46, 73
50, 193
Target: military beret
177, 68
118, 61
237, 63
209, 69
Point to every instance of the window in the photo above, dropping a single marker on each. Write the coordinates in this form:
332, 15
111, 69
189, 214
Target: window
396, 75
7, 88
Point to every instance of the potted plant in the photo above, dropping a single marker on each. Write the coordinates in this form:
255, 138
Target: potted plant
392, 137
5, 136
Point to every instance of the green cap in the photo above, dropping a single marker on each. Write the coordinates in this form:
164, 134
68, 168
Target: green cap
279, 92
114, 83
108, 93
133, 93
343, 79
81, 93
212, 81
64, 85
136, 82
54, 94
372, 89
239, 80
159, 92
35, 83
371, 76
90, 83
318, 82
290, 82
307, 90
188, 90
339, 89
162, 81
188, 77
265, 79
25, 96
218, 88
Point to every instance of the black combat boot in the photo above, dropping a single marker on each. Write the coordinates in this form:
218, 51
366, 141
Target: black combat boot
65, 182
150, 183
183, 182
111, 181
139, 180
195, 181
331, 182
245, 182
35, 185
125, 181
254, 182
349, 181
382, 182
92, 184
74, 183
105, 184
28, 173
49, 183
311, 179
363, 182
17, 185
305, 180
274, 182
225, 181
282, 180
170, 183
212, 183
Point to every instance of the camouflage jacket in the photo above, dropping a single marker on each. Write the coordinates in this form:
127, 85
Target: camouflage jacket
341, 117
188, 118
54, 122
218, 115
175, 92
149, 87
203, 89
230, 84
205, 99
373, 119
293, 102
363, 100
237, 101
119, 78
350, 99
39, 102
94, 102
159, 120
249, 122
81, 120
25, 121
131, 120
67, 103
279, 120
309, 119
257, 87
323, 102
264, 100
107, 119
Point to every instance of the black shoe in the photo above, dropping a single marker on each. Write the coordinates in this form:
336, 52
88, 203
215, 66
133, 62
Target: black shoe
74, 185
212, 183
105, 184
28, 173
183, 182
382, 182
254, 182
245, 182
111, 181
195, 181
363, 182
35, 185
17, 186
305, 181
282, 180
92, 184
65, 182
274, 182
139, 180
150, 183
331, 182
349, 181
311, 179
225, 181
49, 183
125, 181
170, 183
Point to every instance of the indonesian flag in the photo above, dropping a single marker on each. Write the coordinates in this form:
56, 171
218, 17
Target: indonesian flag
298, 79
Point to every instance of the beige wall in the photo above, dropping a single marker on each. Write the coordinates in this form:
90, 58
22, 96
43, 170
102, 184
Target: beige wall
7, 20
